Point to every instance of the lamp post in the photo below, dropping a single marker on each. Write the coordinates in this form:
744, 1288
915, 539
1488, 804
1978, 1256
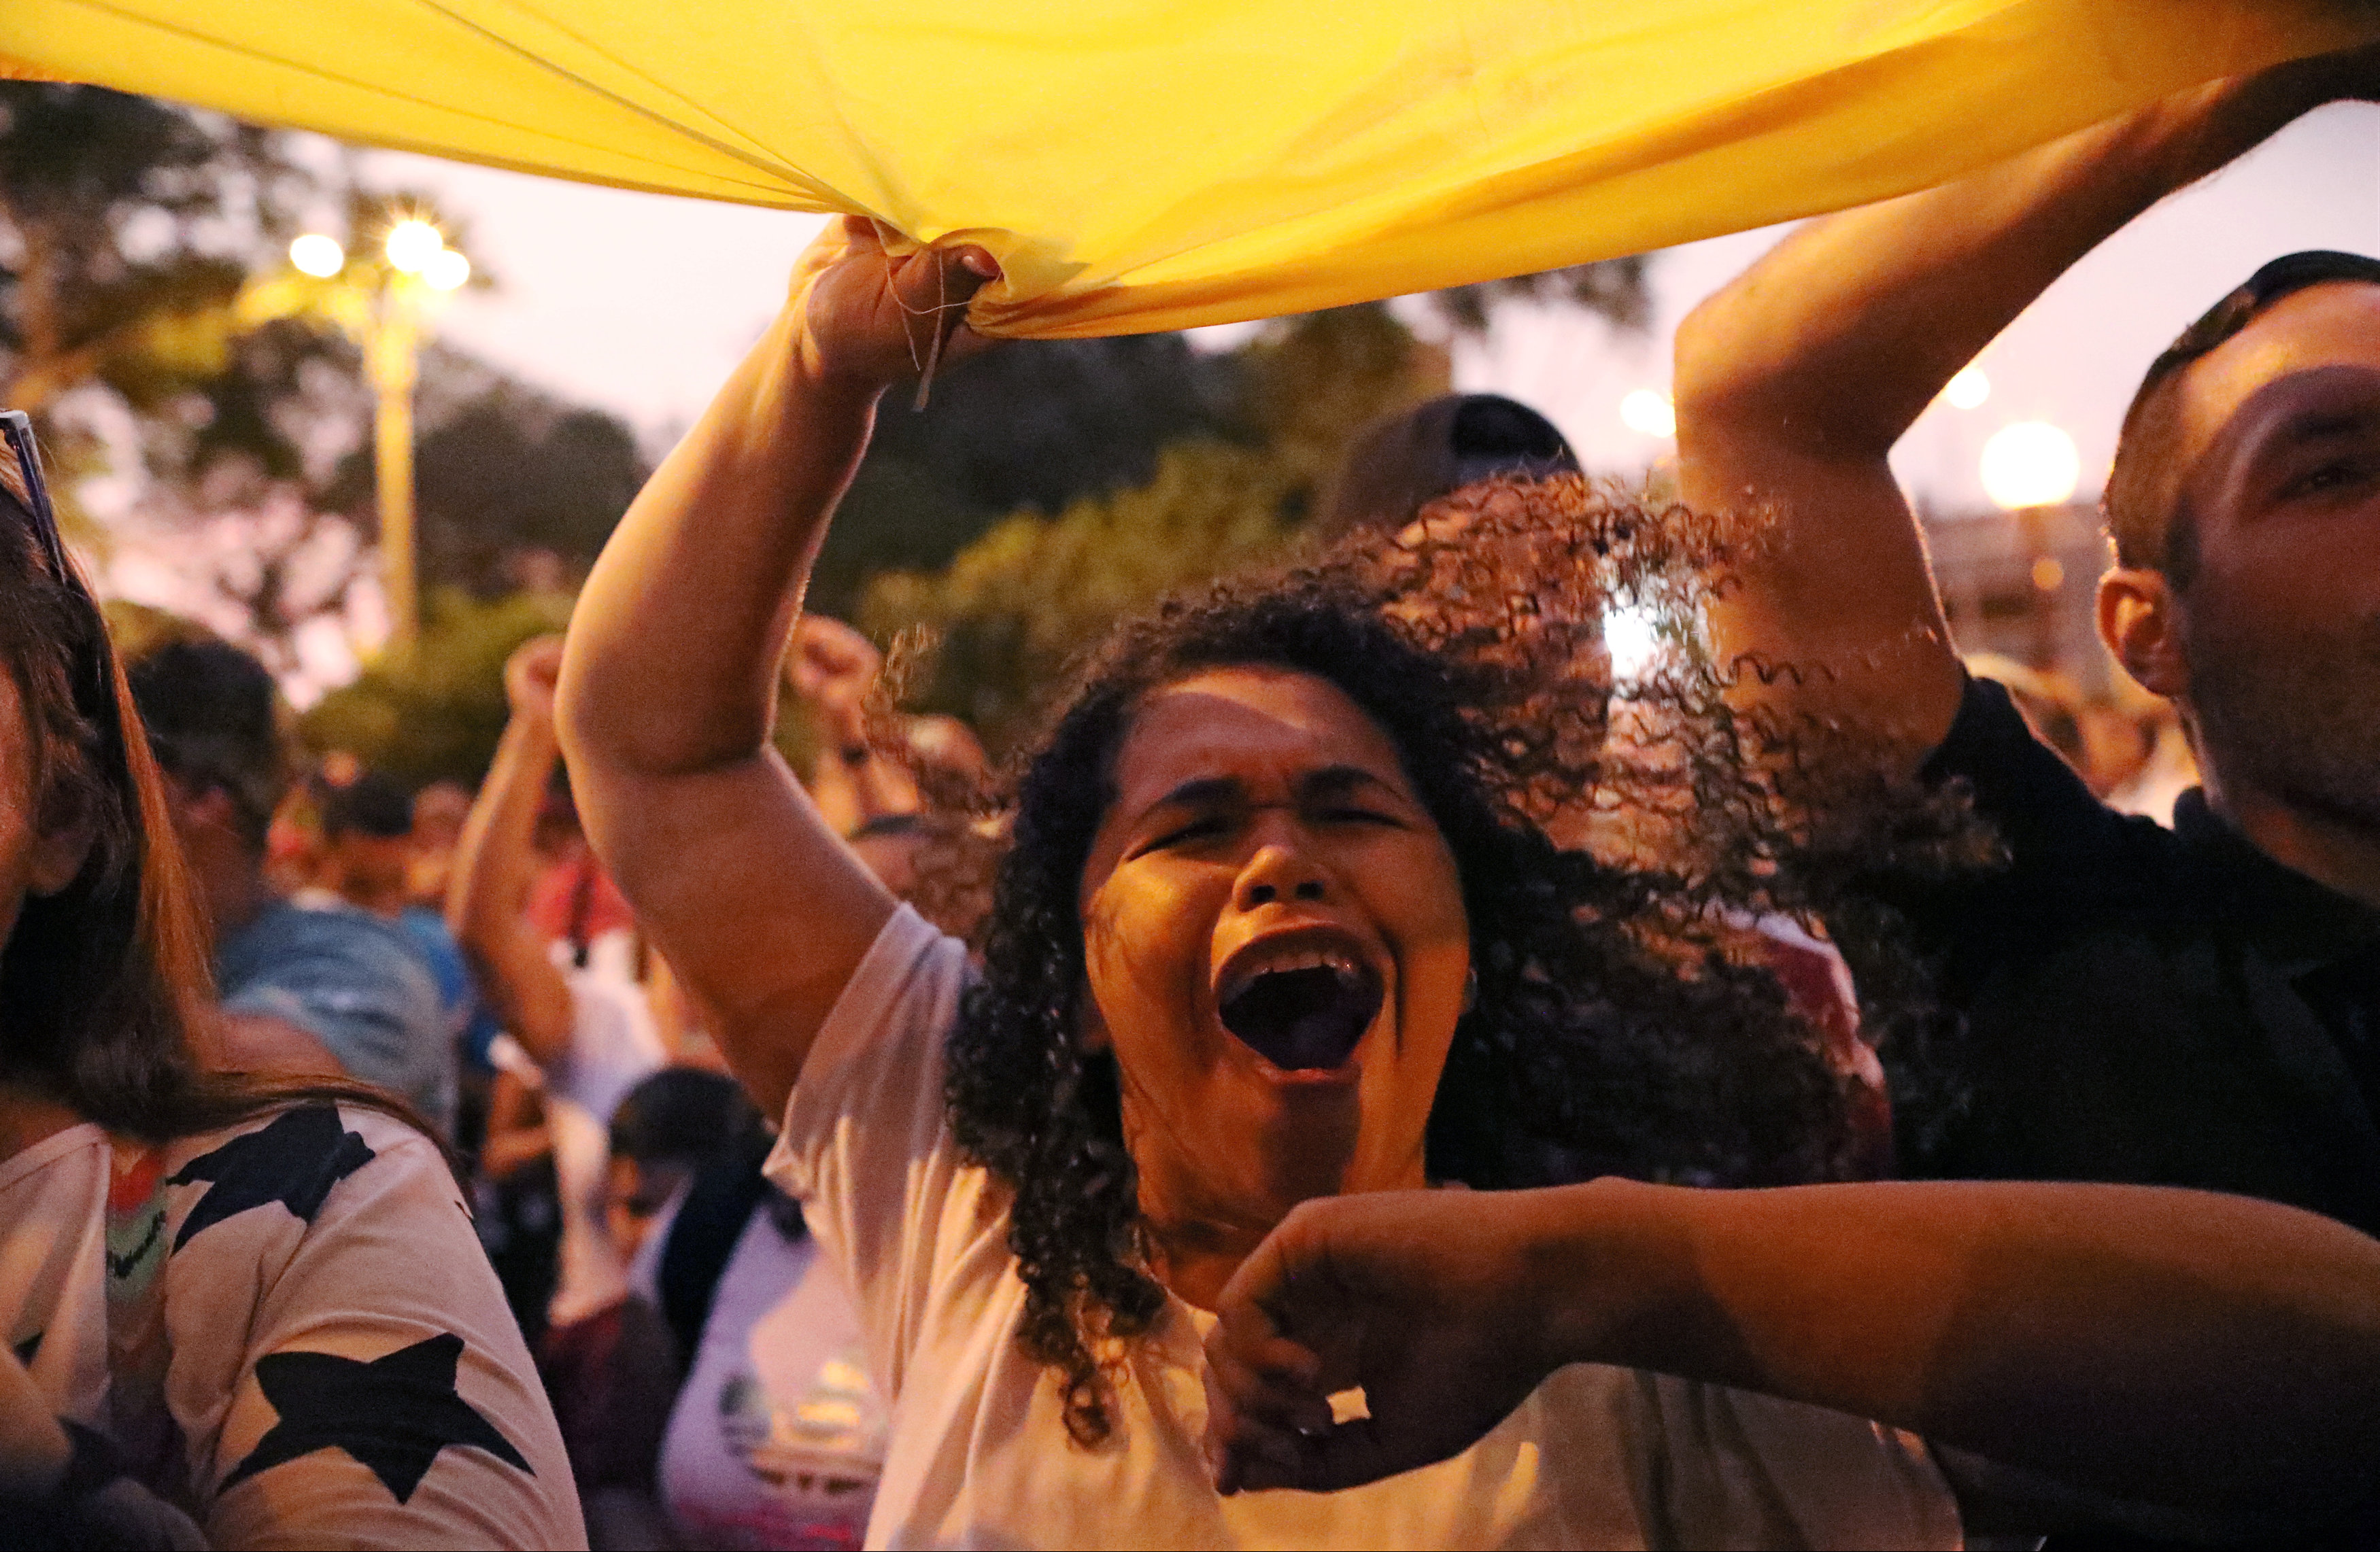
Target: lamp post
379, 301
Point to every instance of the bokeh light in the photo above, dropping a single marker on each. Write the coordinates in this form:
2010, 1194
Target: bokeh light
1629, 637
2031, 463
446, 270
1969, 389
412, 243
317, 255
1649, 414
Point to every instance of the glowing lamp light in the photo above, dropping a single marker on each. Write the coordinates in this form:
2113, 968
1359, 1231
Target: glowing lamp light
317, 255
2031, 463
1649, 414
1969, 389
1629, 636
446, 270
412, 245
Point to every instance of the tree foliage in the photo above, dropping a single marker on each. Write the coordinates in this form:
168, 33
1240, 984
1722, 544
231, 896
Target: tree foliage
436, 713
1613, 289
1033, 428
1009, 611
1012, 607
126, 228
503, 472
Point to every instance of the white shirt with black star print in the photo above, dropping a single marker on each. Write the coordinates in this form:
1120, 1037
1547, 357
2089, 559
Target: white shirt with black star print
288, 1328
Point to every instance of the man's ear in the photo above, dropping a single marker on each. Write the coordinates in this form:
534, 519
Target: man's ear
2140, 620
70, 825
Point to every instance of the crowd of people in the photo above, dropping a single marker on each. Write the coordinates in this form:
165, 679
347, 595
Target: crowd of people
1371, 1070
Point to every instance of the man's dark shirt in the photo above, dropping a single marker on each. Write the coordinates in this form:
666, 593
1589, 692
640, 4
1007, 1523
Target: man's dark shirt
2145, 1005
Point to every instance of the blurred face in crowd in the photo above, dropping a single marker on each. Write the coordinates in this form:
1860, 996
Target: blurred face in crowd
439, 812
2278, 603
634, 1195
372, 872
1276, 946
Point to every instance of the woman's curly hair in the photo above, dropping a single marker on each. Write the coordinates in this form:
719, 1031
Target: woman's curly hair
1618, 1027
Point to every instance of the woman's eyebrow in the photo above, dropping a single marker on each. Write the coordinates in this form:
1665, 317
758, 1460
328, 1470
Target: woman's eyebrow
1200, 790
1337, 781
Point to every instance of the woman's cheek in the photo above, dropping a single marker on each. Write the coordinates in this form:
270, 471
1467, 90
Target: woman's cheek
1146, 944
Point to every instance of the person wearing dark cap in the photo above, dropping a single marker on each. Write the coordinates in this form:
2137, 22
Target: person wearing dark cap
320, 987
1403, 462
2197, 1006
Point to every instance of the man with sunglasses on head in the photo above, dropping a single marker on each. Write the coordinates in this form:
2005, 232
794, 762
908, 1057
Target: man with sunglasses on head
2193, 1007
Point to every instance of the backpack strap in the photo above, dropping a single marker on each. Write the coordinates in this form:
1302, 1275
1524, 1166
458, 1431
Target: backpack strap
701, 1239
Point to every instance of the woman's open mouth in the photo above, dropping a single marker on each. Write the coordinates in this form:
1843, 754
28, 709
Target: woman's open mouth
1302, 1011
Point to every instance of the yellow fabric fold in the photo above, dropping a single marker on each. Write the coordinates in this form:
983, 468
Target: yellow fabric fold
1142, 164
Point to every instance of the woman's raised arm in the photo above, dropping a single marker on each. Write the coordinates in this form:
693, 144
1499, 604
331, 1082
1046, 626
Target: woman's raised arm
669, 685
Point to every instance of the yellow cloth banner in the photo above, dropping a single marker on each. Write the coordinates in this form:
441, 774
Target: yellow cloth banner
1141, 164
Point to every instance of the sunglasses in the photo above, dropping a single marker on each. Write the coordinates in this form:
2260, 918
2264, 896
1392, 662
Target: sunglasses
17, 426
92, 687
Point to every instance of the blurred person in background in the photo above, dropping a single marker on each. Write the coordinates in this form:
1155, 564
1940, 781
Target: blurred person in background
865, 780
2197, 1006
776, 1440
580, 1029
238, 1310
2168, 770
367, 855
323, 988
1403, 462
439, 810
613, 1371
572, 899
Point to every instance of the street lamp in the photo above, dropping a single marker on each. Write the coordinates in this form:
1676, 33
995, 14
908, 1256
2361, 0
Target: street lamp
379, 301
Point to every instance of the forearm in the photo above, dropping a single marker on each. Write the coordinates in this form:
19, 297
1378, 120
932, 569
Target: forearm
2209, 1354
494, 857
1836, 341
675, 642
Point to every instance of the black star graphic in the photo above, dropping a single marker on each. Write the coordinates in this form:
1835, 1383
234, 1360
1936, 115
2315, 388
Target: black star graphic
294, 1161
395, 1413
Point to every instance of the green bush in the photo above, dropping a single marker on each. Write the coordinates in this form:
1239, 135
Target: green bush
435, 713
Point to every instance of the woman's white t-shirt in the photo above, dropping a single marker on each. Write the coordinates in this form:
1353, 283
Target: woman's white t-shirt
979, 1454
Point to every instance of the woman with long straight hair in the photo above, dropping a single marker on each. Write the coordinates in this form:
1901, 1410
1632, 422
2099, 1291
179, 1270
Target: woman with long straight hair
238, 1311
1279, 923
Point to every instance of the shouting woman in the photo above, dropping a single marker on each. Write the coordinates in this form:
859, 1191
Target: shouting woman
1275, 926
